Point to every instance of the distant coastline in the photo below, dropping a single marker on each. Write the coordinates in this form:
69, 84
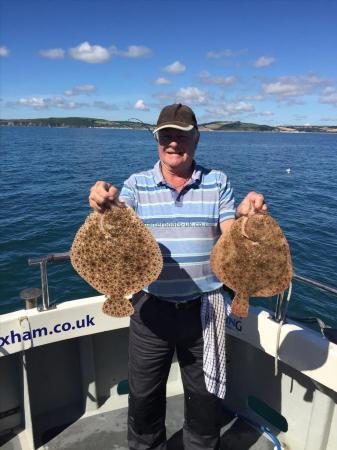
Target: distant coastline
85, 122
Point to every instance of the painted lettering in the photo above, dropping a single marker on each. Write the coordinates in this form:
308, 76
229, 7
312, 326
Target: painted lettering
57, 328
4, 341
80, 324
15, 337
39, 332
66, 326
231, 322
90, 321
27, 336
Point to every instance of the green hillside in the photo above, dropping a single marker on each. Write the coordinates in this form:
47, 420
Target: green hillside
73, 122
87, 122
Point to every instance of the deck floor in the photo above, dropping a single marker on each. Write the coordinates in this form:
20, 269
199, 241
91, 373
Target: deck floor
107, 431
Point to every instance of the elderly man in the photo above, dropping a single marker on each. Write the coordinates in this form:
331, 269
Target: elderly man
186, 207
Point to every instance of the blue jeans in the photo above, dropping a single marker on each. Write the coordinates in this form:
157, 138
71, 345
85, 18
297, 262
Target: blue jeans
157, 329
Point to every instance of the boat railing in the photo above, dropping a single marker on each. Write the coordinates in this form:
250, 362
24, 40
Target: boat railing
311, 282
31, 295
282, 302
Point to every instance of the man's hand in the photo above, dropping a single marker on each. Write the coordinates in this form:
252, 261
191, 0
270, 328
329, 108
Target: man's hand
251, 204
103, 196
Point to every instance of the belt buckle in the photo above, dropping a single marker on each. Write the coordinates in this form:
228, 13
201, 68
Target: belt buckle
180, 305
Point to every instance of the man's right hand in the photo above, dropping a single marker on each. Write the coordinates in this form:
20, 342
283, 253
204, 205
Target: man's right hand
103, 196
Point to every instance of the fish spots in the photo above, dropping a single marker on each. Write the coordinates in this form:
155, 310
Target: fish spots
253, 259
117, 255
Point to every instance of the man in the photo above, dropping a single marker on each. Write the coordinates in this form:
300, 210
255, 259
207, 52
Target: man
186, 207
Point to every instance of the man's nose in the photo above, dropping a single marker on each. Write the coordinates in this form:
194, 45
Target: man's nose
173, 142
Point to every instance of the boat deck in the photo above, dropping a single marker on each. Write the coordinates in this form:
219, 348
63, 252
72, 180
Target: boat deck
107, 431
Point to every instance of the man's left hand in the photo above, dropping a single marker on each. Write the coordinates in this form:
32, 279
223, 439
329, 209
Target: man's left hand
253, 203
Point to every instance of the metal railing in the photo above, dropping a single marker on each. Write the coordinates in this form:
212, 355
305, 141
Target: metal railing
30, 295
281, 307
310, 282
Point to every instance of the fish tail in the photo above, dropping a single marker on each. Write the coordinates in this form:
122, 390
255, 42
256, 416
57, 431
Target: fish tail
240, 304
117, 307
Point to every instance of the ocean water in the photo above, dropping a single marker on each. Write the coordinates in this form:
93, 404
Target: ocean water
46, 173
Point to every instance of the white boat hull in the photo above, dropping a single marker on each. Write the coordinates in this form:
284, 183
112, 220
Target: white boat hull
70, 363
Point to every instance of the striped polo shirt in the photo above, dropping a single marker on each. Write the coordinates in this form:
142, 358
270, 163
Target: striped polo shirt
185, 224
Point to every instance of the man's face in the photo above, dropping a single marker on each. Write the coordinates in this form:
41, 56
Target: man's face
176, 148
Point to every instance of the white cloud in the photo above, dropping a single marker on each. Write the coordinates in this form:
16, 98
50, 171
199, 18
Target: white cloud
45, 103
40, 103
189, 95
315, 80
85, 88
135, 51
206, 78
300, 117
257, 98
282, 88
266, 113
4, 51
329, 99
35, 102
164, 96
81, 89
60, 102
192, 95
329, 119
293, 86
231, 109
264, 61
104, 105
239, 107
162, 81
175, 68
140, 105
52, 53
225, 53
93, 54
329, 90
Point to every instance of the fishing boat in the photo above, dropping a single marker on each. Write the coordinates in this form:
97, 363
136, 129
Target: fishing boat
63, 371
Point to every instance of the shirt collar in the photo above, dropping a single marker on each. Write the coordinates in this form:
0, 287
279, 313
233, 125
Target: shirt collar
159, 179
158, 176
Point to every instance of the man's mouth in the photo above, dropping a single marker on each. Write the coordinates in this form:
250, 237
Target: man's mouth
175, 153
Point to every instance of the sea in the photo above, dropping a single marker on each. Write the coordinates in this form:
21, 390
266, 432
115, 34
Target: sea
46, 175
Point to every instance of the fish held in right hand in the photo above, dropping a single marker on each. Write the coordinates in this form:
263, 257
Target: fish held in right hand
103, 196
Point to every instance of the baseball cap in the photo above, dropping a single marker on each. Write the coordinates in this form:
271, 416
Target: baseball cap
176, 116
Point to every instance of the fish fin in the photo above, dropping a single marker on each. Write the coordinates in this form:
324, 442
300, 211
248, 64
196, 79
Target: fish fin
121, 307
240, 305
243, 227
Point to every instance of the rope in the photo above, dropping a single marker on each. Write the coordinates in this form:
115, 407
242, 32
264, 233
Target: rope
284, 315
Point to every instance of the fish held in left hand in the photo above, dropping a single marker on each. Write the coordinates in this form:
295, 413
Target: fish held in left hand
253, 259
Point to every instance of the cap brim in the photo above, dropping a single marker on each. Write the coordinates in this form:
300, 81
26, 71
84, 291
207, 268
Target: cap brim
172, 125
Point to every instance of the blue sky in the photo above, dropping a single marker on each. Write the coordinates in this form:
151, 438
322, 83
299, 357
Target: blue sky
272, 62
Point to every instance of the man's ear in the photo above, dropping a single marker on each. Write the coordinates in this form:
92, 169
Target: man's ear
197, 137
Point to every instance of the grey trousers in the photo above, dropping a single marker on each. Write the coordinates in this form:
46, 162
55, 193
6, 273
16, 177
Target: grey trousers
157, 329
